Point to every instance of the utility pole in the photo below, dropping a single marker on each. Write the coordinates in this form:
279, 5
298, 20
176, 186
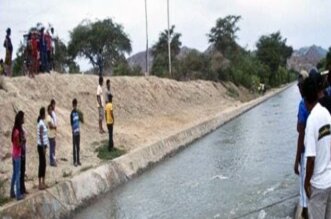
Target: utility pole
147, 72
169, 40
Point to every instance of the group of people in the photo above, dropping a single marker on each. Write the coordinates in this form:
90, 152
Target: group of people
47, 125
39, 50
38, 54
313, 157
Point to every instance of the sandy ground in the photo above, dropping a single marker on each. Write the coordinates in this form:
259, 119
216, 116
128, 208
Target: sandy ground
146, 109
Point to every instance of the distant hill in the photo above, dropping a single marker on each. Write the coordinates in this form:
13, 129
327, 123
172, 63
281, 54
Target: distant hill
140, 60
306, 58
140, 57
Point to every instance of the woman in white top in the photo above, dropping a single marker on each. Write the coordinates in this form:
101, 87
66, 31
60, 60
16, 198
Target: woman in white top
42, 141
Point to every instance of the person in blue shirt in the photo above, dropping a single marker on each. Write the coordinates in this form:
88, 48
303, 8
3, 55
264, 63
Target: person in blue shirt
300, 160
74, 120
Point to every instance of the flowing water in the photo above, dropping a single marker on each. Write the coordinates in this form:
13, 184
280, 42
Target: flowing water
242, 170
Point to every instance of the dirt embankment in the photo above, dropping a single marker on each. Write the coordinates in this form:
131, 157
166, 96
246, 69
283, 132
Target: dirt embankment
146, 109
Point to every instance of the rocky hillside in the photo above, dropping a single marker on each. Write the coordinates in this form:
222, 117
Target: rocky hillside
306, 58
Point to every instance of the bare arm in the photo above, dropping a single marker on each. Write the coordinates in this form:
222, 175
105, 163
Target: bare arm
41, 131
99, 100
300, 146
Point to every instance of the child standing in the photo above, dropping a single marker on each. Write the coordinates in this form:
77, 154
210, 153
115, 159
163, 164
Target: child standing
110, 120
74, 120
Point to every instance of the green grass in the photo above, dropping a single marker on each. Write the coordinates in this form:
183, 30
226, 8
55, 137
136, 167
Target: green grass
105, 154
232, 92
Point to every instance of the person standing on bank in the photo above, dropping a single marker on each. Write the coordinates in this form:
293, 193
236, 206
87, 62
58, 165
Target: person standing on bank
110, 120
42, 140
17, 141
53, 104
300, 160
23, 159
9, 52
51, 135
108, 91
318, 153
74, 121
100, 105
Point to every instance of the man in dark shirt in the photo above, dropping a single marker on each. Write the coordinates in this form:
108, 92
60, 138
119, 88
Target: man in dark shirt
74, 120
323, 98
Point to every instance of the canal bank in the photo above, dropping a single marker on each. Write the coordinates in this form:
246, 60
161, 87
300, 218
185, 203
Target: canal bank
60, 200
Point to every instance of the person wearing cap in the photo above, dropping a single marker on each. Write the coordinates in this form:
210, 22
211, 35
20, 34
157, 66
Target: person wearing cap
110, 120
300, 160
9, 52
317, 152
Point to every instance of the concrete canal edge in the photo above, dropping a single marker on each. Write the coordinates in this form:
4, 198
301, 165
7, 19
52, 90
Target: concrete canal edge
61, 200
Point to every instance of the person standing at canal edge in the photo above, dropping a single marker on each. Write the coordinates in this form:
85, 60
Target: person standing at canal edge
53, 104
110, 120
9, 52
108, 91
318, 153
74, 121
23, 159
100, 105
17, 141
51, 135
300, 160
42, 141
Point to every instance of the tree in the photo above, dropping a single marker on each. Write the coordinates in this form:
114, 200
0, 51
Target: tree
160, 51
223, 35
273, 52
328, 60
102, 43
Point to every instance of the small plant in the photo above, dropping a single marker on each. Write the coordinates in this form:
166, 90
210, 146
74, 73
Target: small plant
232, 92
105, 154
66, 173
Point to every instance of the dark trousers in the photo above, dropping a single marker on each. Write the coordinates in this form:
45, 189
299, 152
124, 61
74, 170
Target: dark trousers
110, 132
76, 148
22, 178
42, 162
52, 146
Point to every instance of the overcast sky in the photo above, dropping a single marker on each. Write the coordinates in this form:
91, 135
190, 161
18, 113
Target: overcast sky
302, 22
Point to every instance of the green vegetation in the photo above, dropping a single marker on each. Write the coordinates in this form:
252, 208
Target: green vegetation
160, 53
325, 63
102, 43
66, 173
105, 154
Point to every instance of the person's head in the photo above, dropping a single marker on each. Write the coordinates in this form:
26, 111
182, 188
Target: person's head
74, 103
53, 103
52, 30
303, 74
310, 92
100, 81
42, 114
19, 121
1, 61
108, 83
8, 31
49, 110
109, 98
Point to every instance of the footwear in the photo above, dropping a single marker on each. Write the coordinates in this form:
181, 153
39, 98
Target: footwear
12, 196
20, 198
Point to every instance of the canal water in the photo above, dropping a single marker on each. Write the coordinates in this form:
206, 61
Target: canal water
242, 170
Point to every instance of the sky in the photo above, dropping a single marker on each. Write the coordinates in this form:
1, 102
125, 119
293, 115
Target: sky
302, 22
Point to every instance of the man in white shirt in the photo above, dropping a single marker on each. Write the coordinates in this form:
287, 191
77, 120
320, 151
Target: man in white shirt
318, 153
100, 105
